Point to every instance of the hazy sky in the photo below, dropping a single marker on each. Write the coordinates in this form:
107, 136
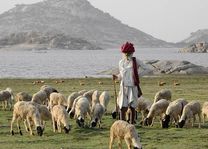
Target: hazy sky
170, 20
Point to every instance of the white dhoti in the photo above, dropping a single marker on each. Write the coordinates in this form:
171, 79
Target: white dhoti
128, 97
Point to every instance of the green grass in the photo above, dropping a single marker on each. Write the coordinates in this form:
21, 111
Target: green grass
191, 88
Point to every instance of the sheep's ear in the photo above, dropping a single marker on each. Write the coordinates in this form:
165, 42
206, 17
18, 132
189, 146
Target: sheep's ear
39, 131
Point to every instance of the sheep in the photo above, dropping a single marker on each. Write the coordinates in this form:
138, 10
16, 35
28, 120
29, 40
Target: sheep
163, 94
60, 116
6, 96
71, 99
174, 111
80, 109
26, 111
156, 109
104, 99
40, 97
57, 99
189, 112
123, 130
205, 111
143, 107
48, 89
97, 113
45, 114
23, 96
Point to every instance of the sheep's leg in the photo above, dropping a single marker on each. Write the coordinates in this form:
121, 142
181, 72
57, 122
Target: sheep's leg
54, 124
152, 121
12, 122
10, 103
59, 125
204, 116
199, 114
5, 105
193, 120
29, 126
128, 142
119, 143
26, 128
111, 142
18, 126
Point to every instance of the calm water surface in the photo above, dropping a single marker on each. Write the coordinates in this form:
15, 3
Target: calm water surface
77, 63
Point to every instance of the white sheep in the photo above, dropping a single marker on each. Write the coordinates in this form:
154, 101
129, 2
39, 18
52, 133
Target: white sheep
163, 94
174, 111
97, 114
29, 112
123, 130
57, 99
190, 110
104, 99
40, 97
23, 96
6, 97
143, 107
205, 111
80, 109
157, 109
60, 117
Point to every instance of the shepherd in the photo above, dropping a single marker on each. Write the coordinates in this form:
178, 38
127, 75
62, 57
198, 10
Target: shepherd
128, 75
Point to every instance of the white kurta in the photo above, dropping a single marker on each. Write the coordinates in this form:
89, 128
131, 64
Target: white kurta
128, 94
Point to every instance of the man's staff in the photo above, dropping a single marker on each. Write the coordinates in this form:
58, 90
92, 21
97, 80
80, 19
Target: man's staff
115, 93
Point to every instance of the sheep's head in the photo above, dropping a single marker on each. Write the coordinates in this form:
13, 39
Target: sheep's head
181, 124
80, 122
94, 123
147, 121
67, 129
71, 114
165, 121
39, 131
114, 114
137, 148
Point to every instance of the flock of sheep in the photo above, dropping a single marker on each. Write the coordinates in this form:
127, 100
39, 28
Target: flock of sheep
48, 104
178, 111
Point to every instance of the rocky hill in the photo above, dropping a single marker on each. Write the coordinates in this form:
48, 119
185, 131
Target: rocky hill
72, 19
196, 37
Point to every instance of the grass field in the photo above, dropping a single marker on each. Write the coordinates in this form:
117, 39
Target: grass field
190, 88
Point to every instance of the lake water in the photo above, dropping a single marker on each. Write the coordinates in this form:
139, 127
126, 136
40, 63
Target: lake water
79, 63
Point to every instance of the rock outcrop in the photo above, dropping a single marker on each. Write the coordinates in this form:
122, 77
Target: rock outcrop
156, 67
41, 41
201, 47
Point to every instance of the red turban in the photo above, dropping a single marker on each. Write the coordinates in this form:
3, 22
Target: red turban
127, 48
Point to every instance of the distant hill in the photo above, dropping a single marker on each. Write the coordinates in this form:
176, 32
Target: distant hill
71, 19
